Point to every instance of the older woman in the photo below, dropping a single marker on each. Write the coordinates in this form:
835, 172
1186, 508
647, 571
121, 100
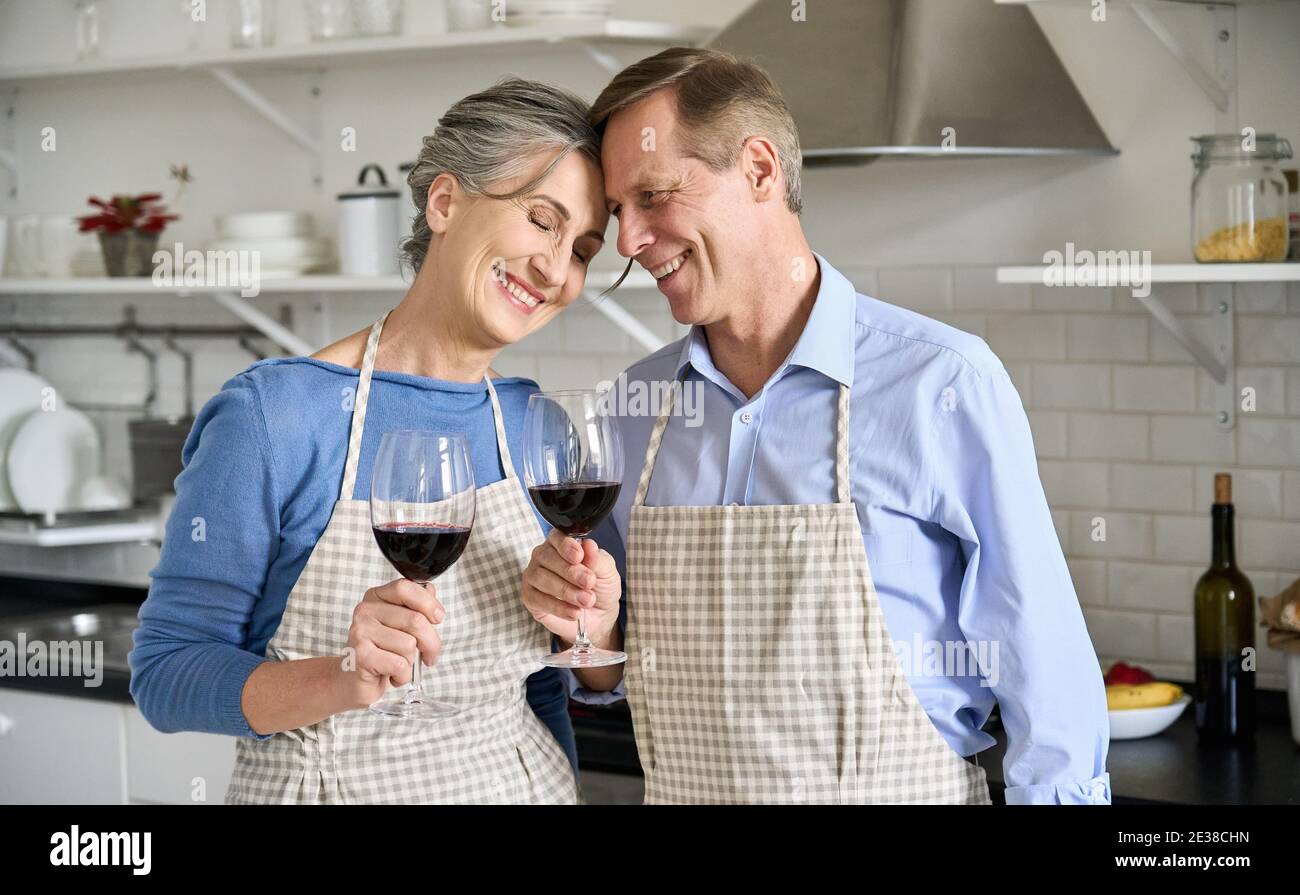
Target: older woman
273, 617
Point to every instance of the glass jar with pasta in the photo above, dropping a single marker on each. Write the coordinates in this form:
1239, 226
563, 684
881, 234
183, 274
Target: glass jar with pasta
1239, 198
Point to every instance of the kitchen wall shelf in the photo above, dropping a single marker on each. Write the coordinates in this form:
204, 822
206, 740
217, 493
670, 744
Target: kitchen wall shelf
387, 50
1281, 272
1214, 284
229, 67
230, 298
144, 529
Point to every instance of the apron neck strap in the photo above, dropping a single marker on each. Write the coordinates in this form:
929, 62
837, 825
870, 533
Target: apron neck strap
843, 485
360, 400
507, 465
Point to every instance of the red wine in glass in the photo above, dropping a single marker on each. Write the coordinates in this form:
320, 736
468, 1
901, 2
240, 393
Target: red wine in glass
421, 513
421, 552
573, 466
577, 508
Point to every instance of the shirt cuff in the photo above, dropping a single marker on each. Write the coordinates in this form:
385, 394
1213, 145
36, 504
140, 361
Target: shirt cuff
1089, 792
579, 693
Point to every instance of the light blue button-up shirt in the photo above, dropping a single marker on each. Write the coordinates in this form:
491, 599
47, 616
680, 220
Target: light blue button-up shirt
957, 531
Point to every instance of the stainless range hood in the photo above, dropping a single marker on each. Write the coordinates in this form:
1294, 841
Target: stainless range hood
871, 78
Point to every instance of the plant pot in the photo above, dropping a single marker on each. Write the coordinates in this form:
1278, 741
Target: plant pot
129, 253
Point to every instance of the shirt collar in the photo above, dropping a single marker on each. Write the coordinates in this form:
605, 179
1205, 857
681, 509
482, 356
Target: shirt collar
825, 345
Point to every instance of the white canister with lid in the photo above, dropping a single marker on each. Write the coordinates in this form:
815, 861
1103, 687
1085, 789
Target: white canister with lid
368, 243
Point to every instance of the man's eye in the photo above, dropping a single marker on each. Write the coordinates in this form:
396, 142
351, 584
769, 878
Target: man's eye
650, 196
540, 224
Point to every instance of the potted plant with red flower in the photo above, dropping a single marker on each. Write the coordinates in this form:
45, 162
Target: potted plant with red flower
129, 227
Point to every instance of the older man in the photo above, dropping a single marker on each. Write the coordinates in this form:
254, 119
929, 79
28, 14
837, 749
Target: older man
838, 565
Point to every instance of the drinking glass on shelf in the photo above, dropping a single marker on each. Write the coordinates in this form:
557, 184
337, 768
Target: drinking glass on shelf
573, 467
421, 513
87, 29
252, 23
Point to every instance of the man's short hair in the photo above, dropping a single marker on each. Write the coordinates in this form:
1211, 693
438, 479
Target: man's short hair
722, 101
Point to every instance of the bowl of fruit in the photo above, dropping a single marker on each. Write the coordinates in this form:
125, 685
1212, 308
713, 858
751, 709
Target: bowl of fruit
1141, 706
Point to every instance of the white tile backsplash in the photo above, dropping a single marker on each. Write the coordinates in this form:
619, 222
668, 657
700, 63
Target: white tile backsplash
1156, 388
1071, 387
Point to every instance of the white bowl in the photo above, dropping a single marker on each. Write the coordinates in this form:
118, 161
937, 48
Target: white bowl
1133, 724
265, 225
274, 254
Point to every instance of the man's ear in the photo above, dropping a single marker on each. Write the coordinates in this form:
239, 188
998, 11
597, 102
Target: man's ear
440, 206
762, 167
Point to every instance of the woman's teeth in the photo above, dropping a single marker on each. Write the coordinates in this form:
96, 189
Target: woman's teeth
660, 272
520, 294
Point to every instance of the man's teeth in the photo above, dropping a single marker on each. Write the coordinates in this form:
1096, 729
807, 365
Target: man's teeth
514, 290
660, 272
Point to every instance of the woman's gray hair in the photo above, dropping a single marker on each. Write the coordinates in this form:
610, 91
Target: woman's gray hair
492, 136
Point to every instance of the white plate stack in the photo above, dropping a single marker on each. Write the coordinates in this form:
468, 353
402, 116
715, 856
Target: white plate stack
549, 12
49, 452
285, 241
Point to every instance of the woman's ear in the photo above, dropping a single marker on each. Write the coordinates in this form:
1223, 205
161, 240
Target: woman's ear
439, 207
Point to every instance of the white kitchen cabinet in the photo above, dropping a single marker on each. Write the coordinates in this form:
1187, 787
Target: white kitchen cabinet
61, 750
175, 768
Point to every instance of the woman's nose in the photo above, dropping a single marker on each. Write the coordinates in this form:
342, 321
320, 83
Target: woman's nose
549, 270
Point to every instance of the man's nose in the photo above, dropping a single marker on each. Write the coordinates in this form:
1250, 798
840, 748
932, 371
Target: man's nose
633, 235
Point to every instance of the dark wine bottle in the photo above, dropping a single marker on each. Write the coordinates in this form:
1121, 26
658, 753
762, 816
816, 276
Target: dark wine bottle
1225, 634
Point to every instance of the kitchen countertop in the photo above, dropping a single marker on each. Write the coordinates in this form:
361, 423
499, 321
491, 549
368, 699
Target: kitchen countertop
21, 597
1171, 768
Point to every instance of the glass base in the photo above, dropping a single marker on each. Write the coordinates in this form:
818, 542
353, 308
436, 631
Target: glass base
583, 658
420, 707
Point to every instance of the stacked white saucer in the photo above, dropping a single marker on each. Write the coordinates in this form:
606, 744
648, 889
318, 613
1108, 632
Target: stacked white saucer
286, 241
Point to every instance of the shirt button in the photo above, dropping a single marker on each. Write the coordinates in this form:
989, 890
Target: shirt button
746, 417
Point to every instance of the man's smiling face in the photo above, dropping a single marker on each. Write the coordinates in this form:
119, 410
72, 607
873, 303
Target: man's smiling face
691, 227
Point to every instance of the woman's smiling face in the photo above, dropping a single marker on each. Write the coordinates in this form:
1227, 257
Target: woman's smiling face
513, 264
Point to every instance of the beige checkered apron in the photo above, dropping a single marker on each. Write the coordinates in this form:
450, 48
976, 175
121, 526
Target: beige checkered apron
495, 750
759, 666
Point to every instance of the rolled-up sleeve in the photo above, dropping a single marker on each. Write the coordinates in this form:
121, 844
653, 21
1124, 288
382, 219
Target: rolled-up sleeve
189, 664
1017, 600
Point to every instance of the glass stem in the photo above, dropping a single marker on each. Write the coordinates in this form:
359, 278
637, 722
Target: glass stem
582, 644
415, 689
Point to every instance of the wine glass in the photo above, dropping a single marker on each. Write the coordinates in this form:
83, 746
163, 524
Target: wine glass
421, 513
573, 466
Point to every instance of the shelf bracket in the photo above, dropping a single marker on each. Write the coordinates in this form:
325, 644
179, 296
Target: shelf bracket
605, 60
1218, 360
1220, 86
276, 332
624, 320
264, 107
9, 151
27, 354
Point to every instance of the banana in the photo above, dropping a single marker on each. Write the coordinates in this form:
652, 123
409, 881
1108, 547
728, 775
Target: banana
1142, 696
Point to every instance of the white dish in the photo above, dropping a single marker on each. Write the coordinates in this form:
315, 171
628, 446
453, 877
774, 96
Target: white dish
103, 492
265, 225
1133, 724
51, 455
20, 394
292, 252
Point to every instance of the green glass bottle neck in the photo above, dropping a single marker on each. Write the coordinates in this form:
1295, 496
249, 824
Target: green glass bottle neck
1223, 555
